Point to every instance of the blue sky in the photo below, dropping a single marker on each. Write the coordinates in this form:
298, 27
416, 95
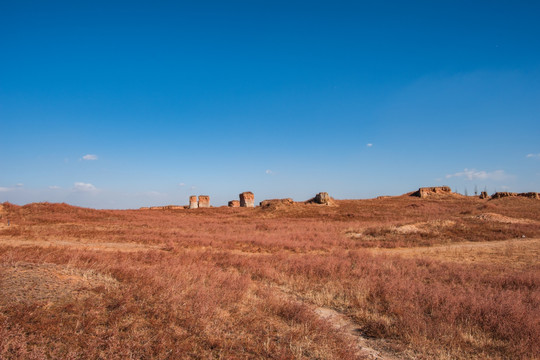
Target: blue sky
127, 104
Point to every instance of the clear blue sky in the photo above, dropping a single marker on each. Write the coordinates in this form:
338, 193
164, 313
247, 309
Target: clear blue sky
127, 104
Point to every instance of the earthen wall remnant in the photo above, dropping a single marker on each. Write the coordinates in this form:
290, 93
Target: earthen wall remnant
193, 204
425, 192
247, 199
275, 203
204, 201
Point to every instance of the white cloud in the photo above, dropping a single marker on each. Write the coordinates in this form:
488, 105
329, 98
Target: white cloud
90, 157
54, 187
182, 184
369, 145
472, 174
533, 156
19, 185
5, 189
269, 172
84, 187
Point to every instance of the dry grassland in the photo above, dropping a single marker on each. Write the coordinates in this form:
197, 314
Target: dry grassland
390, 278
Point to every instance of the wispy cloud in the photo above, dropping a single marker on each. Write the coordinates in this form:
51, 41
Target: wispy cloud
11, 188
182, 184
369, 145
269, 172
473, 174
54, 187
90, 157
533, 156
84, 187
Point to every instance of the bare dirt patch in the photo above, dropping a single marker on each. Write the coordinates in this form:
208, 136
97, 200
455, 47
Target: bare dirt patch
48, 283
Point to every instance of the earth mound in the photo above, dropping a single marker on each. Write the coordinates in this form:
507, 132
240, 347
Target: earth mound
276, 203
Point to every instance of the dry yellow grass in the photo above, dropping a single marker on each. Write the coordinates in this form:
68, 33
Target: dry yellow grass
513, 253
410, 278
29, 283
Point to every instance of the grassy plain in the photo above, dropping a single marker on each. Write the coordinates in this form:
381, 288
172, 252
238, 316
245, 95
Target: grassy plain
409, 278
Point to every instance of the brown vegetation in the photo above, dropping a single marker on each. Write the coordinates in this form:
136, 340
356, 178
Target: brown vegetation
419, 278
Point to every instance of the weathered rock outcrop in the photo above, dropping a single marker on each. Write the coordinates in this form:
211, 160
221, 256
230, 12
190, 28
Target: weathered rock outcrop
247, 199
234, 203
484, 195
276, 203
204, 201
193, 204
425, 192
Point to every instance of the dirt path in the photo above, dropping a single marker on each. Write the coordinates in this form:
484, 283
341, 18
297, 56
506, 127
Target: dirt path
351, 332
365, 348
105, 246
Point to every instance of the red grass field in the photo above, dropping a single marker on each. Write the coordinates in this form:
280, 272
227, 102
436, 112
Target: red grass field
397, 278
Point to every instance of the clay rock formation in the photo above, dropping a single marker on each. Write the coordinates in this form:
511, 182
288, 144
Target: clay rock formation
234, 203
193, 202
204, 201
247, 199
276, 203
321, 198
484, 195
425, 192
